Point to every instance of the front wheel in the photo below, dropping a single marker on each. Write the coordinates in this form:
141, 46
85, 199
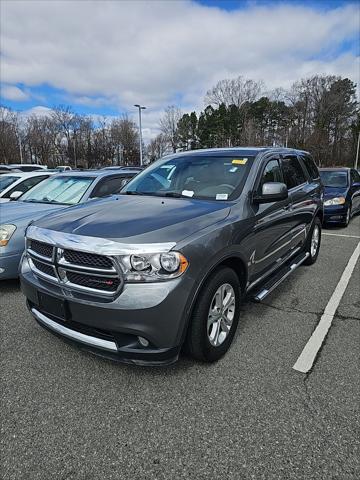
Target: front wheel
348, 216
312, 246
215, 316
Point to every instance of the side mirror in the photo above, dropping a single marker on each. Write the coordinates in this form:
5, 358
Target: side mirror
272, 192
15, 195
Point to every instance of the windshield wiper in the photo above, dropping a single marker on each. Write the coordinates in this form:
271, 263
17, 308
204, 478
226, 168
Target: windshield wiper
134, 192
49, 202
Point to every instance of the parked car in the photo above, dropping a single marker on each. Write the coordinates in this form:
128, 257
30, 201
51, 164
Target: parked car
5, 169
114, 167
55, 193
63, 168
166, 263
13, 185
341, 194
25, 167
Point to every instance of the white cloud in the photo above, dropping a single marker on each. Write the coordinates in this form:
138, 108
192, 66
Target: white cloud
11, 92
39, 111
164, 52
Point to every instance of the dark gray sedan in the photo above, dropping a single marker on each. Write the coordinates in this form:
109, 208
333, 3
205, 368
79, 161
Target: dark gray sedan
53, 194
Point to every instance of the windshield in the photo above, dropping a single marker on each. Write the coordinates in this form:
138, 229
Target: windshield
60, 189
200, 177
337, 179
6, 182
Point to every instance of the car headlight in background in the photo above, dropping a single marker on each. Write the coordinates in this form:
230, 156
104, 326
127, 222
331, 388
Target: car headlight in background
6, 231
334, 201
152, 267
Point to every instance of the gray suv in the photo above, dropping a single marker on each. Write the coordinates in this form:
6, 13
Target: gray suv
165, 264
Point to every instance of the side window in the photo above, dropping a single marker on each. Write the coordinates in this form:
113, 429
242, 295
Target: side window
271, 173
355, 177
293, 173
310, 167
26, 185
109, 186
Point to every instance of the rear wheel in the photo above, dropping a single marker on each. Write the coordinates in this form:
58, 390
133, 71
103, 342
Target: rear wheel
215, 316
313, 242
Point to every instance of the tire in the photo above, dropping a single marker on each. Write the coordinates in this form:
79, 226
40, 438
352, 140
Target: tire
201, 338
348, 217
309, 246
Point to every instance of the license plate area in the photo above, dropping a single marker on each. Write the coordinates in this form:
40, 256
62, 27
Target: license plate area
53, 306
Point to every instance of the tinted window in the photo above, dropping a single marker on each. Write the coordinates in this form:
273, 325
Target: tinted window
26, 185
310, 167
28, 168
5, 182
293, 172
333, 178
355, 177
109, 186
272, 172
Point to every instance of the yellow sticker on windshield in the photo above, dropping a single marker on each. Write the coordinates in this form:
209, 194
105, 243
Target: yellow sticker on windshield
239, 161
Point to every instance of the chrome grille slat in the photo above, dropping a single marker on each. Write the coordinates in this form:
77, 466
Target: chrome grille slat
104, 279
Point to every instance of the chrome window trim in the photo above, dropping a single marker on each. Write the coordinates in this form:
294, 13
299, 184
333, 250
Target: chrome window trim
97, 245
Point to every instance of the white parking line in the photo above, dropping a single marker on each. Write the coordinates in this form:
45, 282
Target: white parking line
306, 359
340, 235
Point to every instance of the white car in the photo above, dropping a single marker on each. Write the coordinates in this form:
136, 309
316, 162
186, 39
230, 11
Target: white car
13, 185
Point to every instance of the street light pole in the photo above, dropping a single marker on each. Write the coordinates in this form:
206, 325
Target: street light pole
357, 152
140, 132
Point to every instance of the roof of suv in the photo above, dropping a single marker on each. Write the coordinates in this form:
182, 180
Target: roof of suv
251, 151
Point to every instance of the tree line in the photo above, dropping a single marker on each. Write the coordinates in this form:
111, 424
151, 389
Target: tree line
63, 137
319, 114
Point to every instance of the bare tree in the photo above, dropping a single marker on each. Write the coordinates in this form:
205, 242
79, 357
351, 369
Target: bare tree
169, 125
157, 147
235, 91
10, 144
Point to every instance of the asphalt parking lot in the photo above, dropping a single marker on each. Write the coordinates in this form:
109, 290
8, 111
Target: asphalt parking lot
70, 415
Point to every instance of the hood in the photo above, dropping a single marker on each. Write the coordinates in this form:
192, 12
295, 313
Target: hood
11, 212
138, 219
331, 192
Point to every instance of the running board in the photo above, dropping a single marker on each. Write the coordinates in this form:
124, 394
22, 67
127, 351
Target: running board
279, 277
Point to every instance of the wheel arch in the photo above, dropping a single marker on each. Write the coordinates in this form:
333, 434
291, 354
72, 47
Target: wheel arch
233, 261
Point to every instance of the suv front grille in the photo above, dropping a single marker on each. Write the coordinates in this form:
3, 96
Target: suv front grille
75, 270
88, 259
44, 268
43, 249
108, 284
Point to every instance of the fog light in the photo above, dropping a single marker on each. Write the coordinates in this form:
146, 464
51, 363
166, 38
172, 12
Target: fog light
143, 342
2, 270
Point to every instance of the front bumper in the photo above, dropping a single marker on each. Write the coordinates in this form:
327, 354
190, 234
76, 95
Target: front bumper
112, 329
9, 265
335, 213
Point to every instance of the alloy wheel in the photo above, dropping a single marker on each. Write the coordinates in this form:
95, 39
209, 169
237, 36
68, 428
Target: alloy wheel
221, 314
315, 241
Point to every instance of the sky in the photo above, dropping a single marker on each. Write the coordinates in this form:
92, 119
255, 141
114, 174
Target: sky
102, 57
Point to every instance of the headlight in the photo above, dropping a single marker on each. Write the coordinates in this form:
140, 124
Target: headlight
334, 201
152, 267
6, 232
